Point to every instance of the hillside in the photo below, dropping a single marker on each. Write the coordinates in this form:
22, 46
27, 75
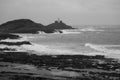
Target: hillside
20, 26
29, 26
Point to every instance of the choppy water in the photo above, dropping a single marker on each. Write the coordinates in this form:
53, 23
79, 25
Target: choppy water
88, 41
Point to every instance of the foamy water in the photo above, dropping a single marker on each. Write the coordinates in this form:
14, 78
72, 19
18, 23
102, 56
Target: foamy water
15, 47
48, 50
87, 42
114, 53
98, 50
15, 40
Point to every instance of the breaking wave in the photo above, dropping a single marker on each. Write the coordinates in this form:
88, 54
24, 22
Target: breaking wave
71, 31
77, 31
45, 49
107, 49
15, 40
91, 29
53, 50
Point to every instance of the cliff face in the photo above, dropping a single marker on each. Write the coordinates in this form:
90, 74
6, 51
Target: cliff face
28, 26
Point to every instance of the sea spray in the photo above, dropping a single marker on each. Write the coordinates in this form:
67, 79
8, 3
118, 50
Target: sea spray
48, 50
115, 53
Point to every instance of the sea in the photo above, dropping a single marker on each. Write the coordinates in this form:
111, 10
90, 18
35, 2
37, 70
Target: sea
84, 40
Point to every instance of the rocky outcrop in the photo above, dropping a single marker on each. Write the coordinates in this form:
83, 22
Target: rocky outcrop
58, 25
28, 26
20, 26
10, 36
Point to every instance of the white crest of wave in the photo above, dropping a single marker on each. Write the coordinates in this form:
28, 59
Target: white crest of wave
50, 50
90, 29
78, 31
71, 31
45, 49
115, 53
15, 40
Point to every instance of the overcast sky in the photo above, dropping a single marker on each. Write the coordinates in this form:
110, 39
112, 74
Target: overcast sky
73, 12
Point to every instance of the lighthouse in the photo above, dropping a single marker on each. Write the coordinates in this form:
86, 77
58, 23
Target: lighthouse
58, 21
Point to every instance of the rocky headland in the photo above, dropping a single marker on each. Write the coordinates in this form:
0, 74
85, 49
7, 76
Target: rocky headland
29, 26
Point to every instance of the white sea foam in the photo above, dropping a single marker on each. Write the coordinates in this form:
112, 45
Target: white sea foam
115, 53
90, 29
15, 40
65, 73
26, 36
78, 31
28, 67
17, 48
53, 50
103, 48
71, 31
45, 49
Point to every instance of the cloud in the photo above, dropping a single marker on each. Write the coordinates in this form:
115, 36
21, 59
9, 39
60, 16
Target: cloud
67, 9
63, 6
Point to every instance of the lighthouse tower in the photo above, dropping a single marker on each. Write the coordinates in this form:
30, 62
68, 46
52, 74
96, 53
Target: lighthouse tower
58, 20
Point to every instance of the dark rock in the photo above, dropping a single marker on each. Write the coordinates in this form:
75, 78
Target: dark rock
10, 36
28, 26
20, 26
58, 25
7, 49
15, 43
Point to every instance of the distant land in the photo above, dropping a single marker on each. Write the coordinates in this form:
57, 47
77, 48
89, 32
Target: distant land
29, 26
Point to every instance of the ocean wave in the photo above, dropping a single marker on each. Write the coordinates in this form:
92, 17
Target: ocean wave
26, 36
105, 49
78, 31
45, 49
16, 48
15, 40
71, 31
91, 29
53, 50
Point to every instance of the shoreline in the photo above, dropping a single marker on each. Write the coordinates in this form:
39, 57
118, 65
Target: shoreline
29, 65
57, 66
48, 50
